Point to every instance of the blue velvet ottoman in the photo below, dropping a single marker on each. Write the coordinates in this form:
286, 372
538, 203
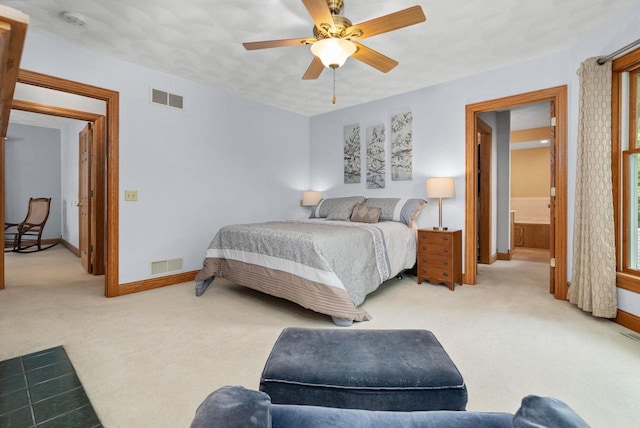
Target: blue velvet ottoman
394, 370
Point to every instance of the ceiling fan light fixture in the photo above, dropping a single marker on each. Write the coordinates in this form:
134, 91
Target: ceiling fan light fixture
333, 52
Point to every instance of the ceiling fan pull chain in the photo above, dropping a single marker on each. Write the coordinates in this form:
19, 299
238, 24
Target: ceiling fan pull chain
334, 85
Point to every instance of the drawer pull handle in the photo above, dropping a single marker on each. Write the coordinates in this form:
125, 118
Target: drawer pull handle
446, 250
445, 238
445, 274
446, 263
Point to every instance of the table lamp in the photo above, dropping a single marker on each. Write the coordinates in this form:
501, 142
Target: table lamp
310, 198
441, 187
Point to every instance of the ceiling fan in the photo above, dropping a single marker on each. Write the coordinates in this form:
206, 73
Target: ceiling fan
335, 38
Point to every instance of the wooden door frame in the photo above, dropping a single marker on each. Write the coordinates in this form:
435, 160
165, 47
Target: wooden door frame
108, 187
484, 192
12, 34
97, 203
558, 95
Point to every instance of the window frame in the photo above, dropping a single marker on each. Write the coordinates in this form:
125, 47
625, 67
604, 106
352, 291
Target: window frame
627, 278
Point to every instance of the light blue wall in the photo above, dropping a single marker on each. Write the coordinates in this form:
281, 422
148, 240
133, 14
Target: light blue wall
439, 127
32, 161
491, 119
503, 182
438, 130
225, 159
221, 160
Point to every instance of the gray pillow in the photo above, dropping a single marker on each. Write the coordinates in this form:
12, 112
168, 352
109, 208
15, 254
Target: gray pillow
336, 208
397, 209
543, 412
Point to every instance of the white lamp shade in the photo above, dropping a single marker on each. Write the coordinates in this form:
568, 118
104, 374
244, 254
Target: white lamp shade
311, 198
441, 187
333, 52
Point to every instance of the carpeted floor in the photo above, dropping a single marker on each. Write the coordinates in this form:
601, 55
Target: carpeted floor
150, 358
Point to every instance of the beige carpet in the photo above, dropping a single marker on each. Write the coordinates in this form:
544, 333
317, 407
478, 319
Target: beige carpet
150, 358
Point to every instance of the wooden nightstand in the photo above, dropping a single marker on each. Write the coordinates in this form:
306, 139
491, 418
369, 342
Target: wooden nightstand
440, 256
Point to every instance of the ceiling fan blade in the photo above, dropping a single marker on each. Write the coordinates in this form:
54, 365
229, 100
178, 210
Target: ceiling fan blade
314, 70
265, 44
386, 23
320, 13
374, 58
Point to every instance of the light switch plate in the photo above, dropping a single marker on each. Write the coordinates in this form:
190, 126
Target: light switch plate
130, 195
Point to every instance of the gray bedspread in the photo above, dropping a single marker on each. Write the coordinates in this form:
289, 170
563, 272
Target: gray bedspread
323, 259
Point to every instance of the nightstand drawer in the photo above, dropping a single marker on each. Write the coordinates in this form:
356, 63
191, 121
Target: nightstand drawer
435, 237
435, 274
429, 260
435, 250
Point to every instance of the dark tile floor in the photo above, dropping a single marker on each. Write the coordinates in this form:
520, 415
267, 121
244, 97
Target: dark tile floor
43, 390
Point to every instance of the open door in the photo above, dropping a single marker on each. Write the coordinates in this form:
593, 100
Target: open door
84, 173
90, 197
106, 151
484, 136
13, 30
557, 96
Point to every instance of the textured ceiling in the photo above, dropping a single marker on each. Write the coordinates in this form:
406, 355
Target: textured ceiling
200, 40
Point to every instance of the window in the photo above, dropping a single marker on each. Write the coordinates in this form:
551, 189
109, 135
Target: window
626, 167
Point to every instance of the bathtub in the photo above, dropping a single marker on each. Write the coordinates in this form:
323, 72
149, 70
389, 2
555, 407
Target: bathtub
531, 222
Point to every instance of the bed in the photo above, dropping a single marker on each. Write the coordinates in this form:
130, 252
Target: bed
328, 263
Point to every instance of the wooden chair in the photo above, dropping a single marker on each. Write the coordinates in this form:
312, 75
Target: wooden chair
23, 237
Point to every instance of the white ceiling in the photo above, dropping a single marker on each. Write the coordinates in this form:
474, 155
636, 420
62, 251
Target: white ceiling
535, 115
200, 40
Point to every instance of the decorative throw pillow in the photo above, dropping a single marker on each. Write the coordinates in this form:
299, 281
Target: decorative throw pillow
398, 209
336, 208
365, 214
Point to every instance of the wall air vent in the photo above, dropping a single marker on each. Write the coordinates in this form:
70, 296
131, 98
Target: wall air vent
159, 97
175, 101
166, 266
166, 99
632, 336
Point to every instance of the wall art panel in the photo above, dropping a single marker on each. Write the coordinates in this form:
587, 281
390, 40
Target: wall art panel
352, 161
375, 157
402, 147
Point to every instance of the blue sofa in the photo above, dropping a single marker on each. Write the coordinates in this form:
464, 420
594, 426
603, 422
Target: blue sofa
238, 407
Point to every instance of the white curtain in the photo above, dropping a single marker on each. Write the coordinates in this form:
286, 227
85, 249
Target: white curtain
593, 286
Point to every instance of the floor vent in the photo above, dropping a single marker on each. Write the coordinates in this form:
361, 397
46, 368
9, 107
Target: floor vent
166, 266
167, 99
632, 336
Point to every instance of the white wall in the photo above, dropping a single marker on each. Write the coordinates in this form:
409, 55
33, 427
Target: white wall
32, 160
439, 126
222, 160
